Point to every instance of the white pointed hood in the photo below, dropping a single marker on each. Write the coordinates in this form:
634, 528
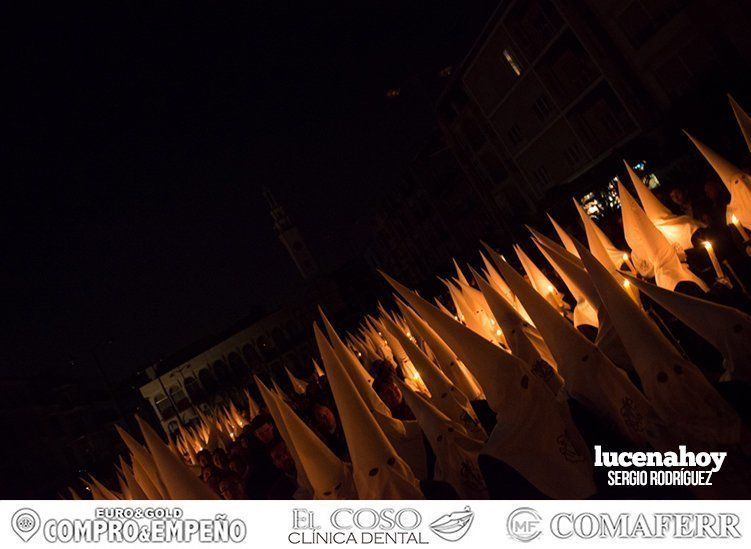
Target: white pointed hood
564, 236
144, 466
360, 377
678, 391
607, 338
724, 327
178, 479
329, 476
379, 471
529, 329
599, 243
515, 330
500, 285
677, 229
405, 436
135, 490
646, 240
459, 273
253, 408
272, 403
530, 421
455, 450
590, 377
443, 394
538, 280
743, 119
298, 385
737, 182
584, 311
317, 368
447, 360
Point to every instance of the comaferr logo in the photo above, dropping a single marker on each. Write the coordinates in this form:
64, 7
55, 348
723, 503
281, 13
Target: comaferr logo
524, 524
657, 525
454, 526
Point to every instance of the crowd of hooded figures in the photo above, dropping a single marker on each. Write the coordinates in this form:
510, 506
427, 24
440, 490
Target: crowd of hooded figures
503, 390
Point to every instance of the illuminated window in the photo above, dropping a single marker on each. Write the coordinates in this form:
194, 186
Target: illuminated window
512, 62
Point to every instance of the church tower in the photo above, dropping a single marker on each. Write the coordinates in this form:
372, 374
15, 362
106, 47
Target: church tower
290, 237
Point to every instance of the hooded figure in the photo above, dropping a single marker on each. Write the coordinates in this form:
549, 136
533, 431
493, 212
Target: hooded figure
726, 328
530, 421
500, 285
531, 333
144, 469
737, 182
447, 398
743, 119
459, 273
515, 330
134, 489
447, 360
568, 243
677, 229
590, 377
584, 312
482, 313
102, 490
455, 450
405, 436
379, 472
298, 385
538, 280
646, 240
675, 387
304, 488
599, 243
178, 479
253, 409
329, 476
317, 368
572, 270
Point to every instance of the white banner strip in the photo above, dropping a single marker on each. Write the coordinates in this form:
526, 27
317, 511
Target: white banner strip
271, 524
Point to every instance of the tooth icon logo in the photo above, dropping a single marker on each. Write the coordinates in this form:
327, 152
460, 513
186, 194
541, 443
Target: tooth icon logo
25, 523
454, 526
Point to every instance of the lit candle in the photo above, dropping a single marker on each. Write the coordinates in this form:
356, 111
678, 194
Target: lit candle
741, 229
713, 258
628, 263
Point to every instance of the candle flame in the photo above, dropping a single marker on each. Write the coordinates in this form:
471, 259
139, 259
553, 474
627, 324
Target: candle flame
625, 257
626, 283
707, 244
734, 219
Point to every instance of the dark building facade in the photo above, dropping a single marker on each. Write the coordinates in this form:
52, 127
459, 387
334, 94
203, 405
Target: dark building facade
555, 92
553, 88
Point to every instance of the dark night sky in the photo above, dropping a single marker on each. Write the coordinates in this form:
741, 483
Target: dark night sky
140, 139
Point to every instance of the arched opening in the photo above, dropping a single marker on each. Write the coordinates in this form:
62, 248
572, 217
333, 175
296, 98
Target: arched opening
278, 337
194, 390
180, 398
164, 407
221, 371
207, 379
236, 365
265, 348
